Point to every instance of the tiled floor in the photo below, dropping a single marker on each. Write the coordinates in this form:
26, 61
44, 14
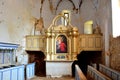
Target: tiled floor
55, 78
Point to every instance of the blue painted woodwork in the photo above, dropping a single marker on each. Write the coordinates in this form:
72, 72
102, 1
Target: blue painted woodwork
30, 70
12, 73
8, 45
7, 51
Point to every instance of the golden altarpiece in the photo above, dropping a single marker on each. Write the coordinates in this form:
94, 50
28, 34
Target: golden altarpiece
63, 37
61, 44
61, 41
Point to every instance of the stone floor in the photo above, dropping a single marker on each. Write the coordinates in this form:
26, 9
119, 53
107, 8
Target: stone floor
50, 78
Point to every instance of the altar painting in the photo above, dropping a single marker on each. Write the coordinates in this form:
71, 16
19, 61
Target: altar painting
61, 44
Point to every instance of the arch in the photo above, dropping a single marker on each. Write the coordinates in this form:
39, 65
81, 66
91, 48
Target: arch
60, 1
56, 18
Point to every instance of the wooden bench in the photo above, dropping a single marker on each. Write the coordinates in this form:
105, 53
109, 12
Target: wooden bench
30, 70
79, 74
109, 72
95, 74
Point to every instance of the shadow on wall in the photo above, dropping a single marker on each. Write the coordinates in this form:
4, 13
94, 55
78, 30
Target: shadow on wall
38, 57
86, 58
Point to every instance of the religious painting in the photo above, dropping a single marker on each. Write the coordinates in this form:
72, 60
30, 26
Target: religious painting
61, 44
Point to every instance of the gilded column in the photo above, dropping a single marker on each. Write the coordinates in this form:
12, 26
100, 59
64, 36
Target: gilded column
70, 44
75, 43
48, 36
53, 46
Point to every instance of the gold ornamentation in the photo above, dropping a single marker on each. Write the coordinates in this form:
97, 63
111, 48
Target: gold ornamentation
69, 36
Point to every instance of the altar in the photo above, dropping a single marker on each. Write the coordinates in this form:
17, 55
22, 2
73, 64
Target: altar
58, 68
62, 48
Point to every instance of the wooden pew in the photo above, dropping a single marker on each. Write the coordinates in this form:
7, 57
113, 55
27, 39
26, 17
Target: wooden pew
109, 72
12, 73
95, 74
79, 74
30, 70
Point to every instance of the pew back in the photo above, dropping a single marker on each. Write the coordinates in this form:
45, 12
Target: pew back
79, 74
109, 72
30, 70
96, 75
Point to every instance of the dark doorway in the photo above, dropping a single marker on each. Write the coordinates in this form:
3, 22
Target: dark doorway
85, 58
38, 57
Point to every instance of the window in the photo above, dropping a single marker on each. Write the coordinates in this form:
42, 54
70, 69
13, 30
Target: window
66, 13
115, 17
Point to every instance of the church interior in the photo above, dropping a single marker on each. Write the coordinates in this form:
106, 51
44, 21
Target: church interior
59, 40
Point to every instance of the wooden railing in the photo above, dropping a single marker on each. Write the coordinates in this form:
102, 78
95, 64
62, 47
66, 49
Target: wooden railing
79, 74
12, 73
109, 72
96, 75
7, 54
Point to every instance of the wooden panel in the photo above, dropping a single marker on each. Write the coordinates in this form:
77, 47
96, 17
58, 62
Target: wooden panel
1, 57
0, 75
35, 43
41, 43
7, 57
14, 75
30, 70
21, 73
6, 75
7, 53
90, 42
29, 42
83, 42
98, 42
